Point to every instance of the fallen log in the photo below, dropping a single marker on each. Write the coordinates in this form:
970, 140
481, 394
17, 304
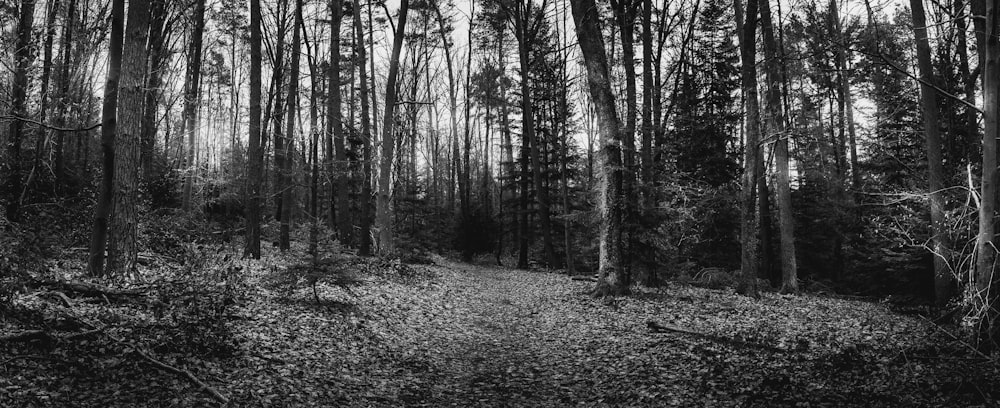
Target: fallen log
584, 278
657, 327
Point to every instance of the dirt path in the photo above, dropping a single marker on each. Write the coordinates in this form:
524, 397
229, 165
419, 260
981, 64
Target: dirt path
480, 336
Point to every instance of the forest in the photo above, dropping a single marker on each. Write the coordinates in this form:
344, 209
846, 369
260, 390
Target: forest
499, 203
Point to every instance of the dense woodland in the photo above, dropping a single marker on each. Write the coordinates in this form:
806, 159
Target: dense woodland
179, 151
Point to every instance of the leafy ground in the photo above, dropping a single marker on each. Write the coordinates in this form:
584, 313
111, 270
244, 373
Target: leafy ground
457, 334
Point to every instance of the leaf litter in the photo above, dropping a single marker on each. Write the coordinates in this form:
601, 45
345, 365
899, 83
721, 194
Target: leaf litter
456, 334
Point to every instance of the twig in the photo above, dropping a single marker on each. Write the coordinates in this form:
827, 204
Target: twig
27, 335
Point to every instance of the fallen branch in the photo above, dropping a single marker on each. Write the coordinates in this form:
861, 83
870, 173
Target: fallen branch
28, 335
667, 328
84, 288
584, 278
964, 343
184, 373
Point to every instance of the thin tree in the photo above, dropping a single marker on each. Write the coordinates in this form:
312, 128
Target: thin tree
335, 128
102, 209
123, 249
613, 277
383, 203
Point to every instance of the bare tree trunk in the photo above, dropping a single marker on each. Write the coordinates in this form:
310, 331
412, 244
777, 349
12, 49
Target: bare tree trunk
102, 210
384, 200
336, 128
776, 124
288, 163
364, 202
64, 83
255, 156
191, 98
123, 249
613, 278
41, 138
747, 30
157, 42
985, 296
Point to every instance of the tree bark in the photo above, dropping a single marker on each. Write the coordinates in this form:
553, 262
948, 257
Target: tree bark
613, 277
102, 209
157, 41
123, 248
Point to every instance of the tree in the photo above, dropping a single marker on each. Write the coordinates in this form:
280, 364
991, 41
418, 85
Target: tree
383, 202
337, 169
192, 87
18, 108
776, 125
255, 159
747, 34
123, 247
102, 209
935, 171
613, 277
985, 299
287, 185
364, 248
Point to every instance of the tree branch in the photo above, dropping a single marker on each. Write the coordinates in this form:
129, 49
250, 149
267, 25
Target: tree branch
50, 127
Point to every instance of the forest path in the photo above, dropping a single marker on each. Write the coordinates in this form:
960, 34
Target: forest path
457, 334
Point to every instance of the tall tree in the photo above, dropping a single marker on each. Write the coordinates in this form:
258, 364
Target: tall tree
288, 164
985, 296
255, 155
192, 96
746, 28
383, 203
776, 125
335, 128
18, 108
364, 200
613, 277
123, 248
935, 171
109, 111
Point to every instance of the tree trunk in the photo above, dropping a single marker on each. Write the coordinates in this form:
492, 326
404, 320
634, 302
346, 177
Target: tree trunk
157, 41
524, 35
18, 108
364, 201
336, 128
102, 209
255, 156
776, 124
123, 249
613, 278
41, 138
64, 83
384, 200
192, 84
288, 163
647, 103
985, 299
747, 30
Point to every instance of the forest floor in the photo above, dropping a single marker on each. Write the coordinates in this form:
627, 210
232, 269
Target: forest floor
455, 334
